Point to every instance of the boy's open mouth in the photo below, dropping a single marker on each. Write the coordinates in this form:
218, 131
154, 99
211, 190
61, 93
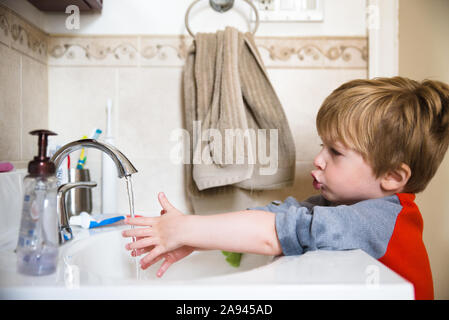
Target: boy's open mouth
316, 184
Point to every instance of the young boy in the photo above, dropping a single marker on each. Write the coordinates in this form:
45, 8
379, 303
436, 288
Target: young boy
383, 141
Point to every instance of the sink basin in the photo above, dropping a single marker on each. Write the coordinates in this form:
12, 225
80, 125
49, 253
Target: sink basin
95, 265
104, 256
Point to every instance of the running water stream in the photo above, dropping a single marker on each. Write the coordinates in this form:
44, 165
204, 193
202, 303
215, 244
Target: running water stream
129, 187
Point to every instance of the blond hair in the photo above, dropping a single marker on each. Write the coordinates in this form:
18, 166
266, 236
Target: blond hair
390, 121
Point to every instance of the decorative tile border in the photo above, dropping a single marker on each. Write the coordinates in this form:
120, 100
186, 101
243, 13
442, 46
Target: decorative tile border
18, 34
170, 51
314, 52
88, 50
280, 52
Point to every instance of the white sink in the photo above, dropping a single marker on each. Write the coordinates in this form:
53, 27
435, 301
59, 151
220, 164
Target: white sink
104, 255
95, 265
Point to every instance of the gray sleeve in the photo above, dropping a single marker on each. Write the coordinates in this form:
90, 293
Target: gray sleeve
367, 225
278, 206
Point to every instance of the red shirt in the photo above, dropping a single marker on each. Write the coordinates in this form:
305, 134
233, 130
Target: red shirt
406, 253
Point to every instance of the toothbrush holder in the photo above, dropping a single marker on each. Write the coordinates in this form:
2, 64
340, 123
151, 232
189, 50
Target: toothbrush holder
79, 199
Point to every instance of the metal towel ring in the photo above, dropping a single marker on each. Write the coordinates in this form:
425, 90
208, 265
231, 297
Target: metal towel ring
222, 9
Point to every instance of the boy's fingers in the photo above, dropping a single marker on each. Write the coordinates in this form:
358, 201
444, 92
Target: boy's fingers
165, 265
142, 221
157, 251
165, 204
145, 242
139, 233
138, 252
149, 264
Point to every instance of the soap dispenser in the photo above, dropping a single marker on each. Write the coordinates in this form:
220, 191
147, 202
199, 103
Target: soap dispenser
37, 247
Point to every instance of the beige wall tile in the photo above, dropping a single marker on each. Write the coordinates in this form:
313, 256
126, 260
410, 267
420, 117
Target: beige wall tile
23, 36
10, 113
4, 28
23, 89
34, 104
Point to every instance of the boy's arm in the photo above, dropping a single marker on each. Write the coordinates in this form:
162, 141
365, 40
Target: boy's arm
243, 231
278, 206
250, 231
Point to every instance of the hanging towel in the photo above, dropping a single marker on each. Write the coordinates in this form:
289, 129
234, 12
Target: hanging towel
227, 91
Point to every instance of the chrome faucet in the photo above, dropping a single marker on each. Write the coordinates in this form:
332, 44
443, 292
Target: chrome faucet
65, 232
124, 168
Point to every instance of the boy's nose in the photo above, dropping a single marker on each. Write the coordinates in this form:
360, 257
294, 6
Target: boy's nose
319, 162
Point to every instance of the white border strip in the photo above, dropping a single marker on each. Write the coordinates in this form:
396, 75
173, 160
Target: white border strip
383, 38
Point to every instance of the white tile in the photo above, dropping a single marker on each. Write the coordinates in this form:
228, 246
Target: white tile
301, 92
149, 110
77, 100
154, 175
241, 199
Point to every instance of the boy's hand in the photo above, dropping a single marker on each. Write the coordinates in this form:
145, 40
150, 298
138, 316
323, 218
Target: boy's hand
160, 236
170, 258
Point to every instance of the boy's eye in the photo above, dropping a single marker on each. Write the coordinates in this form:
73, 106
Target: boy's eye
331, 150
335, 152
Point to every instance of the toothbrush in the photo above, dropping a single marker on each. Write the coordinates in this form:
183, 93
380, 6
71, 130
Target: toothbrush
95, 134
81, 159
68, 164
83, 156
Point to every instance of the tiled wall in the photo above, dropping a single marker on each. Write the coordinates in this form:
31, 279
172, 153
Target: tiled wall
23, 87
142, 75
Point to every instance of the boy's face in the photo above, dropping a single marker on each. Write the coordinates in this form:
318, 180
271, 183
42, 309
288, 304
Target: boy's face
343, 176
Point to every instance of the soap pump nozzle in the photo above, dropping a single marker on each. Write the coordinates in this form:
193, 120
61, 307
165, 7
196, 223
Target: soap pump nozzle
41, 164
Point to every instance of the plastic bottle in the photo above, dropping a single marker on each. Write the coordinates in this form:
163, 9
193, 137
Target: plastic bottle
37, 247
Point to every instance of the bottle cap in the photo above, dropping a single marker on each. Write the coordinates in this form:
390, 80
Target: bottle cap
41, 164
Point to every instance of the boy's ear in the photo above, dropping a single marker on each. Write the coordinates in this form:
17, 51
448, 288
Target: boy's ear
396, 180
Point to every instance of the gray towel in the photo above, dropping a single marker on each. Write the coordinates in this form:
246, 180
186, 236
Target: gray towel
227, 91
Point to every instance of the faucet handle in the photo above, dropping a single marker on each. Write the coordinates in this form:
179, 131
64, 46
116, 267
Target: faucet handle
65, 232
70, 185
